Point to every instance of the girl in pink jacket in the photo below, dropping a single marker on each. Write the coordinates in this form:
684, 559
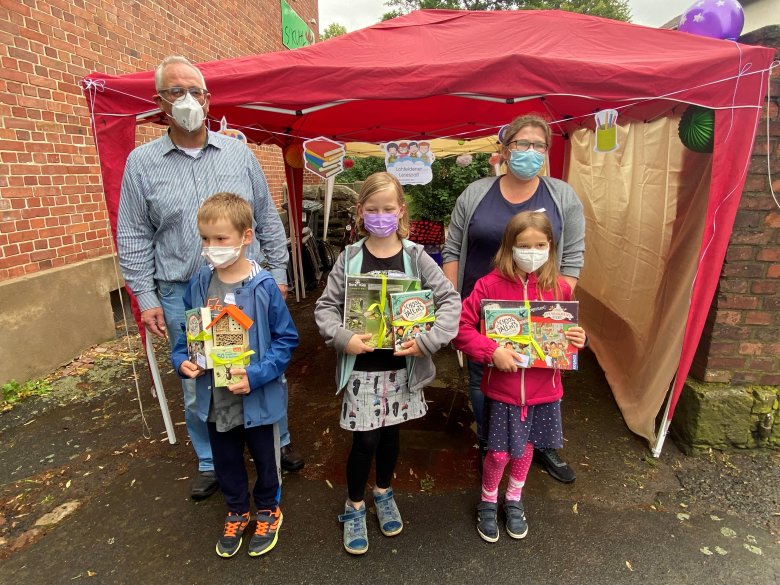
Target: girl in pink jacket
522, 406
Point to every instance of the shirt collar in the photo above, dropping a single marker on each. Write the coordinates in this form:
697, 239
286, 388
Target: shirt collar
212, 139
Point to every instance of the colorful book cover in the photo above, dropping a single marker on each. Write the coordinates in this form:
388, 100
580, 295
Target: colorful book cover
549, 321
367, 305
199, 340
324, 172
540, 339
226, 359
412, 313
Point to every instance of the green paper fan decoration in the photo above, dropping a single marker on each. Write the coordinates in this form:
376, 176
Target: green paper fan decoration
697, 129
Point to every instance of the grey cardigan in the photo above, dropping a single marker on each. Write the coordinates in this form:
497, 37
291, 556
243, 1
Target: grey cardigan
329, 312
570, 250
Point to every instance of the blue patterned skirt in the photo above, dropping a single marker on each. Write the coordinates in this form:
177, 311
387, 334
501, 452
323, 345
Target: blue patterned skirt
505, 430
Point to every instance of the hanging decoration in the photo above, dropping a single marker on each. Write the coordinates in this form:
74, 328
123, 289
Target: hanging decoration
409, 161
718, 19
606, 131
348, 163
232, 132
323, 156
464, 160
697, 129
293, 155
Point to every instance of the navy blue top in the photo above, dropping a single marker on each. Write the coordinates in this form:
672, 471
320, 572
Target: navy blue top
486, 229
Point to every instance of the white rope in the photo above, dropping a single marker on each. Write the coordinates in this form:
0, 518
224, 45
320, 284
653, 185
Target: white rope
91, 87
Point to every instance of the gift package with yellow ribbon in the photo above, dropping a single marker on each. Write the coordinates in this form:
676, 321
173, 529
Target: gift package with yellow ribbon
534, 329
412, 313
226, 359
367, 304
199, 340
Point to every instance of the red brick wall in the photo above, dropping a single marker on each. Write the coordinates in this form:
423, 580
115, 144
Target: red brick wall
52, 210
741, 343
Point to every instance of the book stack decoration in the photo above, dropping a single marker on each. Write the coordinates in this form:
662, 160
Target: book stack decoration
323, 157
412, 313
230, 339
367, 304
534, 329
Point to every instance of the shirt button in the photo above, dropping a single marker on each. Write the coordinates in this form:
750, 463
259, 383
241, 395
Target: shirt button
241, 307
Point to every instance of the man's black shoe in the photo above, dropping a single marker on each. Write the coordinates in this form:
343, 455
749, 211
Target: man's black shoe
291, 459
204, 485
554, 465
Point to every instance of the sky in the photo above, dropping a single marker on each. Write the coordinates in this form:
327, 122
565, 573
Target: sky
355, 14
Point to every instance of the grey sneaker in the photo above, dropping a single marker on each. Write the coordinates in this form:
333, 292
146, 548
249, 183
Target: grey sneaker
355, 532
516, 526
390, 522
487, 526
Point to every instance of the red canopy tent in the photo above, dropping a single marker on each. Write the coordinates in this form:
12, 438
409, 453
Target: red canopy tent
439, 73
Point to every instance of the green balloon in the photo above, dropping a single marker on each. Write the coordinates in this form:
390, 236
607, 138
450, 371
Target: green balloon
697, 129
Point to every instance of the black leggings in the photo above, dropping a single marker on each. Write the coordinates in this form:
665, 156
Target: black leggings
385, 442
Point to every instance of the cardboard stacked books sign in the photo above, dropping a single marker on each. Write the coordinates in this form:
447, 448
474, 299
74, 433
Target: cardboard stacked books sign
367, 305
323, 157
230, 349
534, 329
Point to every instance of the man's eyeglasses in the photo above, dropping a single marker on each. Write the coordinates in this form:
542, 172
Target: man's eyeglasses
176, 92
523, 145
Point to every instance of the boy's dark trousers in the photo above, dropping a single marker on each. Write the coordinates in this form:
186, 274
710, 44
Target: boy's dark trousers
228, 451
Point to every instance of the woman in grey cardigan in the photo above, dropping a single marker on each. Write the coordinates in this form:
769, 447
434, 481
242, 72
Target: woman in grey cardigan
477, 223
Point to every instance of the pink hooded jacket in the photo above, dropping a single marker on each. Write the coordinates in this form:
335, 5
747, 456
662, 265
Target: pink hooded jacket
525, 387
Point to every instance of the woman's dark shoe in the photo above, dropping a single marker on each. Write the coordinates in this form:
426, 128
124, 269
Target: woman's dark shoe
204, 484
554, 465
291, 459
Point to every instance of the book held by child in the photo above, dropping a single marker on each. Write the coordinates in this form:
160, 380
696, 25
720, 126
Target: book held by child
226, 360
411, 314
199, 339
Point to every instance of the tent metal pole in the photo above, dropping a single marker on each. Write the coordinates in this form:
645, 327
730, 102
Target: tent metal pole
159, 390
663, 428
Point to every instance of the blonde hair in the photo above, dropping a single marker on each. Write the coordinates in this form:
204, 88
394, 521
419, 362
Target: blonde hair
547, 276
376, 183
170, 60
227, 206
533, 120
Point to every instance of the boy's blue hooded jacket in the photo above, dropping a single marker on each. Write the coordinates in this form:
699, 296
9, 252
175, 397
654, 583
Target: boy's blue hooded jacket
272, 336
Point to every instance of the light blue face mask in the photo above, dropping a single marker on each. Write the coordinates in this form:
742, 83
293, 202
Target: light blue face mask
525, 164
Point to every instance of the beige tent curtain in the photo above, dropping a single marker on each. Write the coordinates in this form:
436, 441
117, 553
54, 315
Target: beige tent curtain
645, 206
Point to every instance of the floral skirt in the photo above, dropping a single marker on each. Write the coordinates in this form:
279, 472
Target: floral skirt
379, 399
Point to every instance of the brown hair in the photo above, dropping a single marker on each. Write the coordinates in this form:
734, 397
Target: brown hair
379, 182
547, 275
533, 120
227, 206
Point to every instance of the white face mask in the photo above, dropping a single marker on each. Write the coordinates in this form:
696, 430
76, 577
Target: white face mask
530, 259
221, 256
188, 113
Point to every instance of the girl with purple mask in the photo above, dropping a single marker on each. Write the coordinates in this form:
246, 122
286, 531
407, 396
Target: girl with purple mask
384, 388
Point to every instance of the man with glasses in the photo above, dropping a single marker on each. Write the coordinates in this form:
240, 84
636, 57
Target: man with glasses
164, 184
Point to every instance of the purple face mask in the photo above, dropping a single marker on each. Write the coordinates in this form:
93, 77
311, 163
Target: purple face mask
380, 225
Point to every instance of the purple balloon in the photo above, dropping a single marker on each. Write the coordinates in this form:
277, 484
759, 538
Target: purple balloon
719, 19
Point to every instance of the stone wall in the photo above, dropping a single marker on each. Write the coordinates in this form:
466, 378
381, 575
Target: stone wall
731, 398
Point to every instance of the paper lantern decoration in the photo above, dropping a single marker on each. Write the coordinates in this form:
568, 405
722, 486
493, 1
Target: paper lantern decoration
697, 129
348, 163
495, 159
293, 155
718, 19
464, 160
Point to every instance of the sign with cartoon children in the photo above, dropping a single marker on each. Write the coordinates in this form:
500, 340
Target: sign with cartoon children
409, 161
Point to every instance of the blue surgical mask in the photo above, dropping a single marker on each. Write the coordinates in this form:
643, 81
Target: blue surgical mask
525, 164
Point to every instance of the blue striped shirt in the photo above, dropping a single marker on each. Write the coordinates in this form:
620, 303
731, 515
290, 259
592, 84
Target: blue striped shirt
162, 189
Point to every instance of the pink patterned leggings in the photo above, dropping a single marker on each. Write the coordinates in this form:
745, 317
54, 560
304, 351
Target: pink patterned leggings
493, 471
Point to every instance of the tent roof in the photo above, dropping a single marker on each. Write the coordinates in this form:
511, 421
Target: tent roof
467, 72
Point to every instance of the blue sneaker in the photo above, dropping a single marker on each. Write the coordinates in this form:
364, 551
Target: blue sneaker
355, 532
390, 522
487, 526
516, 526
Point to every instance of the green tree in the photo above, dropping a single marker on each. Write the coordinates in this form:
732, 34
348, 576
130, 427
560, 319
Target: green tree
615, 9
333, 30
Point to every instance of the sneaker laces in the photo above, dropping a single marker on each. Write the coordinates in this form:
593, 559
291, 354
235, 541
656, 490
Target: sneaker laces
263, 527
554, 458
232, 527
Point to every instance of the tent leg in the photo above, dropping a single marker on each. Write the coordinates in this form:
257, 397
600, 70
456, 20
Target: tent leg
663, 429
158, 388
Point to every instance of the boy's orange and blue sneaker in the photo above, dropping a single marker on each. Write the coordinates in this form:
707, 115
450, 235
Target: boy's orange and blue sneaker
266, 532
231, 538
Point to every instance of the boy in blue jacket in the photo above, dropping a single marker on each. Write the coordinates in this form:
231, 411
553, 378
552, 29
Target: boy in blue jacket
244, 413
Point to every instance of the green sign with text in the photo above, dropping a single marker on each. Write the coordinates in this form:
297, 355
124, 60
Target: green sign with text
295, 32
